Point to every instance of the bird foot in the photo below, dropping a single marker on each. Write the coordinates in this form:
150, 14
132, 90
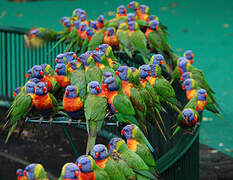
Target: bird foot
50, 120
70, 121
117, 123
79, 121
41, 119
107, 114
27, 118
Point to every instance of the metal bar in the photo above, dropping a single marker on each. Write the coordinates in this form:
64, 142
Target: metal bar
6, 66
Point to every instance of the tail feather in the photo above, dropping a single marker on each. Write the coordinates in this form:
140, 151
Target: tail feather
10, 132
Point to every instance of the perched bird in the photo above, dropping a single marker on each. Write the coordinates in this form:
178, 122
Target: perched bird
69, 171
63, 19
61, 75
17, 91
69, 56
121, 11
189, 56
110, 37
44, 102
67, 24
134, 6
36, 171
105, 162
82, 31
157, 59
95, 109
60, 59
100, 21
93, 24
37, 72
89, 170
107, 49
72, 103
131, 158
90, 33
20, 175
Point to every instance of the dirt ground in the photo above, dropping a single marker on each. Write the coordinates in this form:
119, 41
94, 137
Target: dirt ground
47, 144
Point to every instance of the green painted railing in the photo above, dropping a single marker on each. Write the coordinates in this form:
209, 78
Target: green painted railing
178, 157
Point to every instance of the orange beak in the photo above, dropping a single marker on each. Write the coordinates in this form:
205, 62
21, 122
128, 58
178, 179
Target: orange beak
161, 62
41, 73
68, 65
122, 132
128, 6
156, 27
44, 89
27, 75
67, 93
97, 89
187, 118
192, 55
117, 73
149, 73
97, 155
76, 173
181, 78
183, 87
56, 60
56, 70
78, 59
205, 94
14, 94
24, 173
80, 166
74, 56
132, 19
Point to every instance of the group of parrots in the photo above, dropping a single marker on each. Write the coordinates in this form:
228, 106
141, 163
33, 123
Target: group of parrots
119, 161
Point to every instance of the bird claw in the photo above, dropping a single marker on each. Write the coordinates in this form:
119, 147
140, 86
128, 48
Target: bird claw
50, 120
79, 121
41, 119
117, 123
70, 121
27, 118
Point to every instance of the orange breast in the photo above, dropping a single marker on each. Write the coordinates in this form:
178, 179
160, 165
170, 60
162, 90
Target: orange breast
72, 104
126, 86
191, 93
148, 31
101, 163
200, 105
143, 82
132, 144
63, 81
43, 102
87, 176
151, 80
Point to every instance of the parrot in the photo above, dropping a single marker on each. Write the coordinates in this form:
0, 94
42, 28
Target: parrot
63, 19
94, 25
17, 91
73, 65
191, 87
20, 175
105, 162
44, 33
20, 108
188, 121
82, 31
95, 110
72, 103
100, 21
134, 6
90, 33
35, 171
96, 40
189, 56
62, 75
107, 50
144, 12
138, 40
131, 158
118, 102
158, 59
60, 59
110, 37
69, 171
136, 143
29, 73
89, 170
121, 11
49, 77
77, 12
44, 102
69, 56
131, 17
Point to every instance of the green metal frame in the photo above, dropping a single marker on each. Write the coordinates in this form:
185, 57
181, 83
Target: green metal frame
184, 149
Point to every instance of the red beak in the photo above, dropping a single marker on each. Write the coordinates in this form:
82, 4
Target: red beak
78, 59
205, 94
27, 75
181, 78
80, 166
191, 61
14, 94
68, 65
97, 89
97, 155
187, 118
44, 89
67, 93
102, 19
56, 70
149, 73
192, 55
132, 19
128, 6
34, 88
92, 55
122, 132
108, 146
24, 173
76, 173
156, 27
183, 87
97, 49
108, 33
41, 73
56, 60
124, 10
82, 19
117, 73
17, 173
161, 62
74, 56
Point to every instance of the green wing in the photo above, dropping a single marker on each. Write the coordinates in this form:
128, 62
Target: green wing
155, 42
192, 103
138, 41
137, 100
93, 73
144, 152
100, 174
96, 40
114, 22
124, 40
49, 71
54, 100
112, 170
84, 46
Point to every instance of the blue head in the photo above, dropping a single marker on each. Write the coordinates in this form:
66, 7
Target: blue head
60, 69
133, 5
34, 33
76, 24
133, 69
69, 56
59, 58
77, 12
111, 84
183, 63
112, 145
71, 171
97, 55
35, 80
102, 47
188, 84
82, 17
143, 9
94, 88
83, 26
201, 94
132, 25
157, 59
37, 72
83, 57
29, 73
131, 17
93, 24
127, 131
122, 71
188, 54
110, 31
106, 75
71, 92
145, 71
17, 91
63, 19
30, 169
67, 23
41, 89
154, 24
152, 69
90, 33
30, 87
19, 173
99, 152
100, 19
73, 64
121, 9
189, 115
84, 164
152, 17
184, 76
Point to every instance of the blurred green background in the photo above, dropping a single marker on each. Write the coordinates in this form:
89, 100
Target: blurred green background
206, 27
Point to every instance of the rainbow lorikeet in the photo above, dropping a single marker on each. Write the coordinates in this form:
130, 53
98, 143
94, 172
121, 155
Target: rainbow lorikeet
60, 59
96, 40
191, 87
100, 21
189, 56
131, 158
89, 170
188, 121
36, 171
95, 109
72, 103
118, 102
144, 12
121, 11
69, 171
62, 75
77, 12
49, 77
110, 37
20, 108
105, 162
93, 24
69, 56
44, 33
17, 91
44, 102
138, 40
134, 6
20, 175
107, 50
